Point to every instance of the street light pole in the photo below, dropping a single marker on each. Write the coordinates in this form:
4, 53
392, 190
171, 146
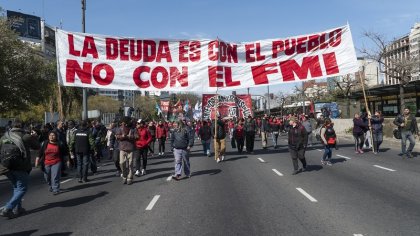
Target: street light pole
85, 106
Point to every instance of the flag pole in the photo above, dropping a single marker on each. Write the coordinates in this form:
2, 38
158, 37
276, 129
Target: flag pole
367, 109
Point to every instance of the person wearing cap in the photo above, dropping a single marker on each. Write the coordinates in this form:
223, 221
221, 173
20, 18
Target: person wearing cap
219, 139
297, 141
126, 137
181, 141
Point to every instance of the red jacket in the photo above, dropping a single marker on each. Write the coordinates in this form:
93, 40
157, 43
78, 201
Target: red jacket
144, 137
161, 131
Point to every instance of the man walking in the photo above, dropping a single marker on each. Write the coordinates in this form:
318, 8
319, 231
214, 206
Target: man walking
298, 140
126, 136
250, 128
182, 141
18, 173
265, 129
81, 146
407, 124
219, 140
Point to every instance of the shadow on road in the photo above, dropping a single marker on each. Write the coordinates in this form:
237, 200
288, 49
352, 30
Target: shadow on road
59, 234
337, 160
83, 186
68, 203
161, 162
23, 233
310, 168
206, 172
234, 158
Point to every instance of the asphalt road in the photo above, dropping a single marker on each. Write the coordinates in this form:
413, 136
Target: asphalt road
361, 194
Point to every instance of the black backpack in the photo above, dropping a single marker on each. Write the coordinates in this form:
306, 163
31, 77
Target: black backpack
12, 152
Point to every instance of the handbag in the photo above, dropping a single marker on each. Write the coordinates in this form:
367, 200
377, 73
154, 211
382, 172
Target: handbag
397, 133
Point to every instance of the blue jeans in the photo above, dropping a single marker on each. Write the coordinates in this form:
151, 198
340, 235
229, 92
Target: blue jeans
206, 146
181, 155
52, 176
377, 140
327, 153
407, 135
82, 165
19, 180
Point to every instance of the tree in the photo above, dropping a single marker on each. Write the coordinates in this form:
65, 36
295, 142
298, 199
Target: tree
147, 107
104, 104
25, 76
397, 68
345, 85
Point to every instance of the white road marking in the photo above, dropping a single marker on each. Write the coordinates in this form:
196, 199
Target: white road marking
277, 172
152, 203
320, 150
348, 158
65, 181
169, 178
357, 234
312, 199
259, 158
384, 168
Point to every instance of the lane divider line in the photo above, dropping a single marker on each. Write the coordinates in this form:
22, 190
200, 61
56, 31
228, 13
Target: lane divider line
259, 158
277, 172
152, 203
65, 181
320, 150
357, 234
169, 178
348, 158
304, 193
384, 168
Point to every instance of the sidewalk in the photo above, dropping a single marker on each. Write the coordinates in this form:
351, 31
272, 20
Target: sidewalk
391, 143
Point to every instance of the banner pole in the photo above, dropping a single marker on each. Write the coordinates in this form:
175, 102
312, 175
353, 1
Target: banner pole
367, 109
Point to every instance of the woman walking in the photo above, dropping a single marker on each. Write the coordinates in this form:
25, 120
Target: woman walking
51, 157
358, 132
328, 138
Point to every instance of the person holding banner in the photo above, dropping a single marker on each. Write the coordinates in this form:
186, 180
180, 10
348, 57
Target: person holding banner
358, 132
377, 130
219, 140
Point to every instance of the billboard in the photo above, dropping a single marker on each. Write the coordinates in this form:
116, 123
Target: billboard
26, 26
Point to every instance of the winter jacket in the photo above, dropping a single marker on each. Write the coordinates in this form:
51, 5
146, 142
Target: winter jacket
265, 127
61, 150
161, 131
144, 137
30, 142
82, 142
205, 133
182, 138
126, 142
400, 120
376, 123
359, 126
221, 131
298, 137
250, 126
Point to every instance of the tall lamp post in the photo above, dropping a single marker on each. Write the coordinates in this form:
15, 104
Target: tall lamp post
85, 106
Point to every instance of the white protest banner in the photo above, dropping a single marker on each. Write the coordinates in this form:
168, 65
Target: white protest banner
108, 62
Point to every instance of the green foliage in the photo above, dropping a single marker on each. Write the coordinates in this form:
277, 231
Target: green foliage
147, 107
103, 103
26, 78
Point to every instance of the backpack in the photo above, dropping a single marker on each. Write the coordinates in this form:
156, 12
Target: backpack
330, 135
12, 152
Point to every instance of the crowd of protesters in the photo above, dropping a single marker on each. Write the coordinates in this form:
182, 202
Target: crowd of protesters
79, 146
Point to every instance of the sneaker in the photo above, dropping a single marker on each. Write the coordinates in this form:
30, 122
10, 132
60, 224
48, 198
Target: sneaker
323, 162
143, 172
329, 163
409, 155
217, 160
7, 213
124, 181
176, 177
361, 151
56, 192
188, 176
80, 181
137, 173
295, 172
19, 211
223, 158
129, 181
85, 180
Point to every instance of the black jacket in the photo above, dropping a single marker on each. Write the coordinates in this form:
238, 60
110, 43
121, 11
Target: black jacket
30, 142
400, 120
182, 138
298, 137
221, 131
